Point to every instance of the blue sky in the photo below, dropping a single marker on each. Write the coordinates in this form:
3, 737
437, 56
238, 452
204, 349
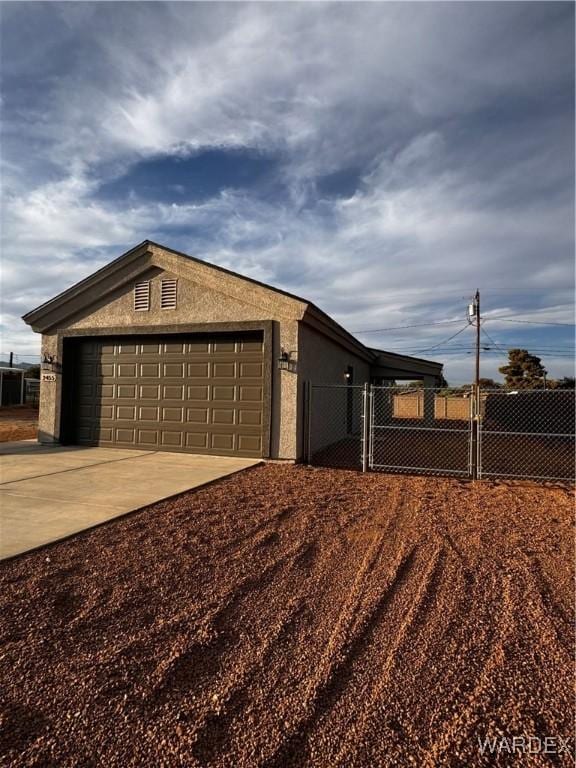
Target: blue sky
382, 159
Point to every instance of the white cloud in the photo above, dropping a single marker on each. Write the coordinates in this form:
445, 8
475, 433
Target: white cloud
415, 99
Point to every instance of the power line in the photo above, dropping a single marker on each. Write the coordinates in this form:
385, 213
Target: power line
498, 347
505, 319
445, 341
400, 327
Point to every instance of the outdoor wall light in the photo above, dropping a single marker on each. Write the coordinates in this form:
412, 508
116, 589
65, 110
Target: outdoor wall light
286, 362
50, 364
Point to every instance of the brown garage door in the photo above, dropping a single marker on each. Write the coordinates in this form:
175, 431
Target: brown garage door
202, 394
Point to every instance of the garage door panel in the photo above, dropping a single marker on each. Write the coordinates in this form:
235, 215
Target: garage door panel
151, 348
126, 412
198, 370
85, 433
87, 392
107, 370
223, 442
173, 392
251, 346
174, 371
127, 370
198, 440
251, 370
250, 394
223, 393
172, 439
250, 418
149, 370
204, 394
89, 369
250, 443
220, 347
197, 392
148, 437
148, 413
176, 348
121, 349
197, 415
223, 370
126, 391
198, 347
223, 416
149, 392
173, 414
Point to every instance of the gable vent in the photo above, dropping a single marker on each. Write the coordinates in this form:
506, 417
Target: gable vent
142, 297
168, 294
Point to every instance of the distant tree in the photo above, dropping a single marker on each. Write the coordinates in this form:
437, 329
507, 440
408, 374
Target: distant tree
418, 384
33, 372
524, 371
567, 382
489, 384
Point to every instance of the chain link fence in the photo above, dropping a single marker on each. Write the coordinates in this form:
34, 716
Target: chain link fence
526, 434
336, 416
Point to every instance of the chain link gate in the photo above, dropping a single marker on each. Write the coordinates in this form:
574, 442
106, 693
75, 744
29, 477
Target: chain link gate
425, 431
525, 434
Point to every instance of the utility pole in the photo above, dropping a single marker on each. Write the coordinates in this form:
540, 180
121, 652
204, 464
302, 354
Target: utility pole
11, 359
474, 316
477, 318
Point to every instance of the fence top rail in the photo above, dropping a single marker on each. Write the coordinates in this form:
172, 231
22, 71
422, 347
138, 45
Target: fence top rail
464, 394
337, 386
519, 391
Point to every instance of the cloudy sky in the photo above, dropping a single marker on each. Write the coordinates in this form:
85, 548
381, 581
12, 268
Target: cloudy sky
381, 159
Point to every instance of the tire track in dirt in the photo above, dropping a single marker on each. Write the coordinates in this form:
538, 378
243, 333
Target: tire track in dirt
347, 643
390, 644
462, 724
214, 734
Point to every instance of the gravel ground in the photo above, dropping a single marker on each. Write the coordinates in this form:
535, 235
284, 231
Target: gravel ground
295, 617
18, 422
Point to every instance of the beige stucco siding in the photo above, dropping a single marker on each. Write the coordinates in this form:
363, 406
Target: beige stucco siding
323, 361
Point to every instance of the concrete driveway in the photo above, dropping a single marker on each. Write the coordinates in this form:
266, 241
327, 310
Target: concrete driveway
48, 493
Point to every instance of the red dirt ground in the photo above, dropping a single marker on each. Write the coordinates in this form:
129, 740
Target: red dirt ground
291, 616
18, 422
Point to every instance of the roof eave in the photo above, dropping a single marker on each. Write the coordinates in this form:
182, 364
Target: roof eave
35, 315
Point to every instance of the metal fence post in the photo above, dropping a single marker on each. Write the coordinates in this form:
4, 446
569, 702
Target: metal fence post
309, 422
365, 423
474, 435
479, 437
371, 427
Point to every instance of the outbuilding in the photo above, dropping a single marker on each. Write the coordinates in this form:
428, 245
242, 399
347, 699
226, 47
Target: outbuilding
163, 351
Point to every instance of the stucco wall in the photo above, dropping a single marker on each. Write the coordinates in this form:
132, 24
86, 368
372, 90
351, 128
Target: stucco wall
50, 396
196, 304
323, 361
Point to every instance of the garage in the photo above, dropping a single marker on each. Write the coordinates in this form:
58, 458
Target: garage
200, 393
159, 349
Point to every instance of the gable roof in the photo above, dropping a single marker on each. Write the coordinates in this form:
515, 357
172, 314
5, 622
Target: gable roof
127, 257
310, 312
